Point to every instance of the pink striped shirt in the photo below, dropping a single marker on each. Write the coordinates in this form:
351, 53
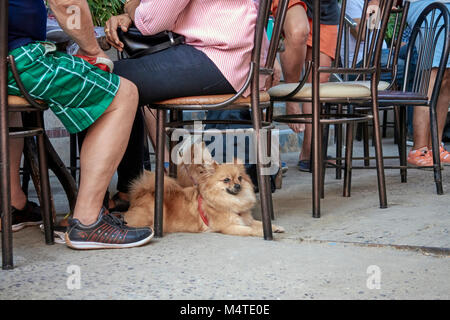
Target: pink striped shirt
222, 29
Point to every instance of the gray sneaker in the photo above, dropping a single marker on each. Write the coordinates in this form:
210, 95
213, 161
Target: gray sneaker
108, 232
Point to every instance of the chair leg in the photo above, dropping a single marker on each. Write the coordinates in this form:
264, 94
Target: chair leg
385, 118
172, 166
366, 144
73, 156
7, 247
339, 146
435, 146
402, 143
325, 131
316, 166
269, 189
378, 151
58, 167
159, 192
348, 160
45, 184
265, 191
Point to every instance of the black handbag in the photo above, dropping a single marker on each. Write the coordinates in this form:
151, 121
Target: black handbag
137, 45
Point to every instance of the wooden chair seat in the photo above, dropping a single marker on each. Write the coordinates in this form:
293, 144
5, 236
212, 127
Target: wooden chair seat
211, 99
20, 101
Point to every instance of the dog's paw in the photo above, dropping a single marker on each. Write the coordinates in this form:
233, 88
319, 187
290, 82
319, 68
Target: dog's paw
278, 229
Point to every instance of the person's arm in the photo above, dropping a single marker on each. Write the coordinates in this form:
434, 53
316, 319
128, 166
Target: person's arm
79, 27
152, 17
130, 7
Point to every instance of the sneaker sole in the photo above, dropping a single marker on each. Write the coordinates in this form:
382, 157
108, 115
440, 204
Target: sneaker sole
427, 168
23, 225
81, 245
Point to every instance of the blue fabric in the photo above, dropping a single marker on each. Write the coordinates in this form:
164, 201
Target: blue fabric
27, 22
415, 9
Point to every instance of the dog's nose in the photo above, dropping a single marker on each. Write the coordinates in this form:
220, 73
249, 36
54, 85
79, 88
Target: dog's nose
237, 187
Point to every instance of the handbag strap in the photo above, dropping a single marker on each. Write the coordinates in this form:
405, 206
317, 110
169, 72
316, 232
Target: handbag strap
173, 41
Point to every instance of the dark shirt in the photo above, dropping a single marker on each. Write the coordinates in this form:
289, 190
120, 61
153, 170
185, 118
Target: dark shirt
27, 22
329, 11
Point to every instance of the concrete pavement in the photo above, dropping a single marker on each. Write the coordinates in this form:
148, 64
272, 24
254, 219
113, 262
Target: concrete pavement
354, 251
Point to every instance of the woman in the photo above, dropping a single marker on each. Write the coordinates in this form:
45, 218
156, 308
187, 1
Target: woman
214, 60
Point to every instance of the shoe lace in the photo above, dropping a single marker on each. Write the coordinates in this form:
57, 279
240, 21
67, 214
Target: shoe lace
114, 220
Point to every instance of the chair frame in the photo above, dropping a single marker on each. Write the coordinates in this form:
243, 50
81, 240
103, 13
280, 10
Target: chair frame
317, 120
402, 99
391, 68
6, 133
255, 104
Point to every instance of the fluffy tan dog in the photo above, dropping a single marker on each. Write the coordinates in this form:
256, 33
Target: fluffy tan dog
221, 202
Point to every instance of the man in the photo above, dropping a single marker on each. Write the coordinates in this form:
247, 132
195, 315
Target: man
82, 96
421, 153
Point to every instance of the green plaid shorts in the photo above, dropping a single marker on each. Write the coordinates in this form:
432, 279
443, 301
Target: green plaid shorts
76, 91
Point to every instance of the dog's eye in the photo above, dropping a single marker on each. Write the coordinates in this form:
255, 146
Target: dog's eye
226, 180
240, 178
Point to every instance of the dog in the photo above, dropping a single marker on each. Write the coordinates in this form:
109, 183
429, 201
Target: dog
220, 201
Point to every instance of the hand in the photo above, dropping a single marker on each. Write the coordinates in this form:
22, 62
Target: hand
124, 22
276, 73
272, 81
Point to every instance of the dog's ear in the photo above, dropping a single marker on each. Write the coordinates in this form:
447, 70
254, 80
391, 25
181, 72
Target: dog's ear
207, 169
239, 163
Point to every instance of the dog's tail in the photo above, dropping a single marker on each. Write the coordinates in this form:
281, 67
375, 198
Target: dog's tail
145, 184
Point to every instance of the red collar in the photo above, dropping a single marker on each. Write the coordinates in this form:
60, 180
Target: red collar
201, 212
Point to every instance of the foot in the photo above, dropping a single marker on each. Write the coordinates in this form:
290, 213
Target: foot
108, 232
284, 168
445, 155
30, 215
420, 158
304, 165
294, 108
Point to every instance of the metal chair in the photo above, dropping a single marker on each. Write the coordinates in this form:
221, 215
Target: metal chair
432, 23
18, 104
389, 70
339, 93
257, 101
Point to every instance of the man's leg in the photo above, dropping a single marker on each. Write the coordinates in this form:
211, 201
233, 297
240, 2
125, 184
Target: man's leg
421, 119
18, 198
103, 148
442, 103
296, 31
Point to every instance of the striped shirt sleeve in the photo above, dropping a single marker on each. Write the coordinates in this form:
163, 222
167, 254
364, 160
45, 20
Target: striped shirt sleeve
152, 17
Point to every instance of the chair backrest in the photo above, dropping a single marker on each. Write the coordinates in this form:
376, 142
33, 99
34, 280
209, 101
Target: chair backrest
390, 65
430, 38
255, 66
370, 37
